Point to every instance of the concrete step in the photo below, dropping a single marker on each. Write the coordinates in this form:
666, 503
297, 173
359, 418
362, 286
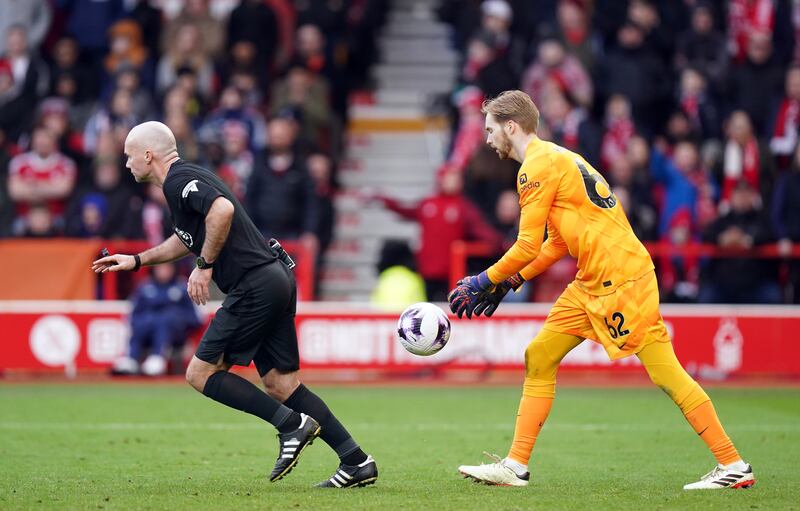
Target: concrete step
356, 226
424, 73
384, 111
402, 142
430, 57
423, 86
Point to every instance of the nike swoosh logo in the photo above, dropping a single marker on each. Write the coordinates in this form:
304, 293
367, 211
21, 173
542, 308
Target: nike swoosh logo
701, 433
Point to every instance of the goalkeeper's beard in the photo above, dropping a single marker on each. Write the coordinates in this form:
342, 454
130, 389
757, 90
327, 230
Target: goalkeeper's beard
504, 147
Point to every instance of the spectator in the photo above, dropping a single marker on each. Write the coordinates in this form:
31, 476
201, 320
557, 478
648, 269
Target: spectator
42, 176
280, 193
162, 317
554, 64
741, 279
91, 216
634, 191
619, 129
485, 69
697, 103
185, 96
636, 72
149, 20
254, 21
657, 36
486, 177
128, 79
569, 124
320, 168
506, 216
786, 219
687, 205
106, 208
444, 217
330, 17
496, 19
181, 127
28, 82
770, 18
232, 108
787, 120
127, 51
195, 12
756, 82
745, 158
54, 115
66, 61
186, 50
238, 161
314, 52
308, 94
89, 21
703, 47
470, 133
575, 32
38, 223
32, 16
113, 121
399, 285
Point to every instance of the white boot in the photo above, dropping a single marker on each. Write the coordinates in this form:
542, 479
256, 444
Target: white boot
723, 476
125, 365
154, 365
494, 473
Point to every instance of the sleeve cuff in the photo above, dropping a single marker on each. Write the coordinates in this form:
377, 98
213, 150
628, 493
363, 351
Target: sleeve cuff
484, 281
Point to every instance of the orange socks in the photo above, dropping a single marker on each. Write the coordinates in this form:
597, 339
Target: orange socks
705, 422
532, 413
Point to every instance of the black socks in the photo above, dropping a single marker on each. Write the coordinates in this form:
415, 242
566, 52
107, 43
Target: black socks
236, 392
333, 433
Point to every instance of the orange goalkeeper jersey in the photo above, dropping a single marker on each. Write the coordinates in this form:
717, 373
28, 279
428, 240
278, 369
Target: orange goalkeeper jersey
559, 189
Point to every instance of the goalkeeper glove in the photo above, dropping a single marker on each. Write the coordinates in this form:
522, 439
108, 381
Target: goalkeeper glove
491, 300
468, 292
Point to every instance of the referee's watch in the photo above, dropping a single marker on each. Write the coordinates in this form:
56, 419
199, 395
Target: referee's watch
203, 264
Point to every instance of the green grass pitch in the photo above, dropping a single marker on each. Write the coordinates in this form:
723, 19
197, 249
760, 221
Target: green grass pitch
164, 446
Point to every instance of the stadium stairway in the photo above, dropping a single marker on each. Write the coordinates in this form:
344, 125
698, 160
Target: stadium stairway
394, 145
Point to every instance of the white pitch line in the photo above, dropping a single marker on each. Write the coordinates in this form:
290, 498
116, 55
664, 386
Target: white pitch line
227, 426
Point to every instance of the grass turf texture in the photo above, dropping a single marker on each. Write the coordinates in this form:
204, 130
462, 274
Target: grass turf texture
168, 447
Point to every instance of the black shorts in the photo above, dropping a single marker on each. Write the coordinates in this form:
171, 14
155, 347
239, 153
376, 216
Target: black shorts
256, 322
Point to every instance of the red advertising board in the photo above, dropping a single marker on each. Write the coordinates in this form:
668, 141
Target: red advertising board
712, 341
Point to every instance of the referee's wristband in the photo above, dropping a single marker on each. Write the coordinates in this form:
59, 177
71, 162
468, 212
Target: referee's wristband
137, 262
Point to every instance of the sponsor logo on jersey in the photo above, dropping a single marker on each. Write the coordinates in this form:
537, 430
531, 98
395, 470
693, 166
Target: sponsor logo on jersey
191, 186
185, 237
523, 178
532, 184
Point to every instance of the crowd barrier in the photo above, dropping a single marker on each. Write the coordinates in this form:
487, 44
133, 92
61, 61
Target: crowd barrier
718, 342
60, 269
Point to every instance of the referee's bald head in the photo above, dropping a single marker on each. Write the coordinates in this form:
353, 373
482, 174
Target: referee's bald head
150, 148
152, 136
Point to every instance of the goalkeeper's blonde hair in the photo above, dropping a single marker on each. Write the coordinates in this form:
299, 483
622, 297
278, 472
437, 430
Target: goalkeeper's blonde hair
513, 105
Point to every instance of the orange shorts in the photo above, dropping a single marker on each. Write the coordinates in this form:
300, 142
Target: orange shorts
624, 321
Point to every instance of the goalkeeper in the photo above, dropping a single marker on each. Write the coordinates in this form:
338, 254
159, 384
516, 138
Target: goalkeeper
613, 299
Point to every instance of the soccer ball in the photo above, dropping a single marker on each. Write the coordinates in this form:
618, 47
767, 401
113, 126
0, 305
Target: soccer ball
423, 329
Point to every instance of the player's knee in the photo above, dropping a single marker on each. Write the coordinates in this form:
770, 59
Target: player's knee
196, 377
536, 359
280, 385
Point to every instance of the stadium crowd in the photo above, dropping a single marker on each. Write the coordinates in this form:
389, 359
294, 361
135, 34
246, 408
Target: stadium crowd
690, 109
254, 89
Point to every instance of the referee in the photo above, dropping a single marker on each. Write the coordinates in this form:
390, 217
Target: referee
256, 321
